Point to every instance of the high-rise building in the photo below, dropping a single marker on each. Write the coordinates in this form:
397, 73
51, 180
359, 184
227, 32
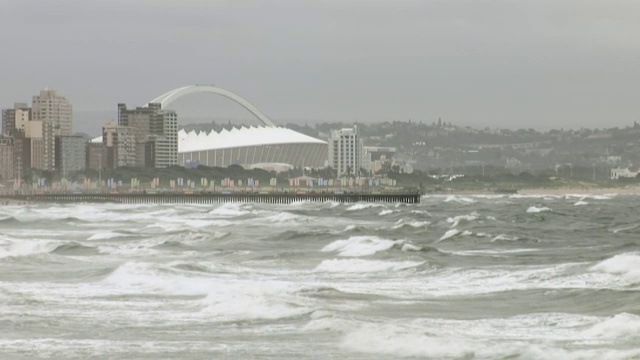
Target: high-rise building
56, 115
70, 154
96, 156
15, 119
159, 152
120, 142
6, 158
345, 151
29, 147
152, 124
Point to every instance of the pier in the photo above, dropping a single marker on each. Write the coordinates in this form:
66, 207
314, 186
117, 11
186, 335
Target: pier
212, 198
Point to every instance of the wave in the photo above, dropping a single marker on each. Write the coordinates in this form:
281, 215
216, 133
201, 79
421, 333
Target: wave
588, 196
535, 209
406, 341
357, 246
22, 248
462, 219
173, 244
411, 224
386, 212
107, 235
557, 336
297, 235
192, 267
459, 199
449, 234
285, 217
504, 237
74, 249
626, 265
421, 212
363, 266
221, 298
354, 228
362, 206
331, 293
230, 210
622, 325
625, 228
10, 220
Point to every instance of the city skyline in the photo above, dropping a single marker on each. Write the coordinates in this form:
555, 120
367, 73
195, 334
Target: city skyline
537, 64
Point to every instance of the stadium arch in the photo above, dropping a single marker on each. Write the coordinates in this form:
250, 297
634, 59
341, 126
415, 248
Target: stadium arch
167, 98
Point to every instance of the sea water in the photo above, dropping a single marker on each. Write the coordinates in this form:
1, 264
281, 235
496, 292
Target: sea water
471, 277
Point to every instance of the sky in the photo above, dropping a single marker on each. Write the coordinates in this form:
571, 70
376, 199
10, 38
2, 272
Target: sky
511, 64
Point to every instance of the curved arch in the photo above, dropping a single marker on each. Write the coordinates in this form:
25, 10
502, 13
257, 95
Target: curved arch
167, 98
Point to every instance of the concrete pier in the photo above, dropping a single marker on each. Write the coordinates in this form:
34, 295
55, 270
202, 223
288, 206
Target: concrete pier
211, 198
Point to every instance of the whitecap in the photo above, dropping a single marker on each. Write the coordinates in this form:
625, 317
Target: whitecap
225, 299
616, 327
396, 341
456, 220
229, 210
27, 247
603, 197
362, 206
534, 209
504, 237
459, 199
252, 299
414, 224
350, 227
385, 212
284, 217
360, 246
449, 234
410, 247
421, 212
627, 265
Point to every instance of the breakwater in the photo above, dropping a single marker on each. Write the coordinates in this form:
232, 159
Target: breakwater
211, 198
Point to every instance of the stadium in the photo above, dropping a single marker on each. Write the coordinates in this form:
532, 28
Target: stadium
254, 146
251, 146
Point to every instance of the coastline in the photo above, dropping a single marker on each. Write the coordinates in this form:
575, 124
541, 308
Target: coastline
632, 190
627, 190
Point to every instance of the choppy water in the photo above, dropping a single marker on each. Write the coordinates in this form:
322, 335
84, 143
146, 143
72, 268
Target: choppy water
473, 277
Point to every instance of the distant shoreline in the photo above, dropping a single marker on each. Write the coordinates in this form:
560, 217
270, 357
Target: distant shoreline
582, 191
631, 190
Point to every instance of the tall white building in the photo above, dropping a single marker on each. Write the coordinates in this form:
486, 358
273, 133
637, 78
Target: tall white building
345, 151
55, 112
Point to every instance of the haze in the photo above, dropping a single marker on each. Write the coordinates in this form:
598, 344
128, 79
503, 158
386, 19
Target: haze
515, 64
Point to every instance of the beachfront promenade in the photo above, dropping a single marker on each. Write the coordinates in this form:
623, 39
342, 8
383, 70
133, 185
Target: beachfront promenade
211, 198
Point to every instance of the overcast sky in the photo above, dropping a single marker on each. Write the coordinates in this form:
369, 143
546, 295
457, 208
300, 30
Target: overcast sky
527, 63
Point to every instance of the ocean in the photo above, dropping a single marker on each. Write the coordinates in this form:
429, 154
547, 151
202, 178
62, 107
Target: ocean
454, 277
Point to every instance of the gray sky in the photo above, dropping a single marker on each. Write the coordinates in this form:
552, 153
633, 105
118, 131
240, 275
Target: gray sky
527, 63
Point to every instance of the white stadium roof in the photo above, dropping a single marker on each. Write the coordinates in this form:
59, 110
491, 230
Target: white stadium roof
241, 137
237, 137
